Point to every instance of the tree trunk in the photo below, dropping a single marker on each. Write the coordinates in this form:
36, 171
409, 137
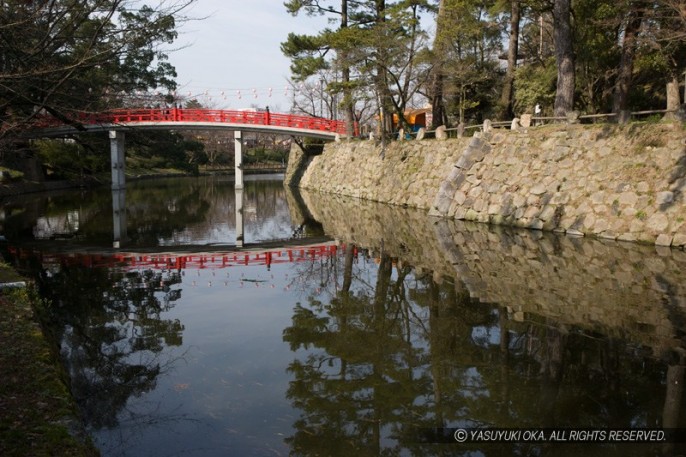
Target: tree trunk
348, 104
383, 91
439, 115
506, 98
564, 56
348, 268
626, 65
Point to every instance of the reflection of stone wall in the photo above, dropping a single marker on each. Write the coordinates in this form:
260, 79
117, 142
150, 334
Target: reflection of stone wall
403, 233
620, 289
624, 289
614, 182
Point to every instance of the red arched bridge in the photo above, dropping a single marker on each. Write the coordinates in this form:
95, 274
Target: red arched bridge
117, 122
189, 119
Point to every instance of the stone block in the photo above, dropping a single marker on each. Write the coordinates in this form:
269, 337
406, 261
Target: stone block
598, 198
471, 215
664, 198
519, 200
663, 240
547, 213
588, 222
560, 198
460, 213
464, 162
538, 189
458, 180
460, 197
628, 198
479, 205
679, 240
627, 237
657, 223
531, 212
473, 180
442, 204
536, 224
642, 187
601, 225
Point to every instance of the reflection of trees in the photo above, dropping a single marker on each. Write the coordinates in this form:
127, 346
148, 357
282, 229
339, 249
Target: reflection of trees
112, 334
377, 362
360, 378
158, 211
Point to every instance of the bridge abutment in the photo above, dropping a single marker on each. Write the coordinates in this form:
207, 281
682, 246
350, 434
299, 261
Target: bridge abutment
118, 159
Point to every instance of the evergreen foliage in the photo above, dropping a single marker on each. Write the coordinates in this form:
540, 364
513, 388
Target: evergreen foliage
494, 58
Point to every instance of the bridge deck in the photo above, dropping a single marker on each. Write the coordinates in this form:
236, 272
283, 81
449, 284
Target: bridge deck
188, 119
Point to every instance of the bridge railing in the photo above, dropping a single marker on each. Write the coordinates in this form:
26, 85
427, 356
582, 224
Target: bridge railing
262, 118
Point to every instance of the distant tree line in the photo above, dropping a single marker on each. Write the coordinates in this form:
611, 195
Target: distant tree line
474, 59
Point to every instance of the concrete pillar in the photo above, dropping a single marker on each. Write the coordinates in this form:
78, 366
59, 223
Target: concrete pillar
240, 224
118, 154
238, 143
119, 234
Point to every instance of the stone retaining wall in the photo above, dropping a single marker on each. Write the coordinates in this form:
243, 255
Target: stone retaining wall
406, 173
616, 182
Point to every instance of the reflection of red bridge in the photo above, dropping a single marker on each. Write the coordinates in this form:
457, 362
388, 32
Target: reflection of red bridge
180, 261
178, 118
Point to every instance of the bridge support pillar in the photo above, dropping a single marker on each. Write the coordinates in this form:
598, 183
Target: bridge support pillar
118, 217
240, 225
238, 143
118, 154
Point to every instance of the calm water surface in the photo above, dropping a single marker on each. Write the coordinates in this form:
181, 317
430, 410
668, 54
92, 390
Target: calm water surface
342, 327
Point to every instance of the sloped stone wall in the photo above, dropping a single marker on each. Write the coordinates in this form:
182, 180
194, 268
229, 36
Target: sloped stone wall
616, 182
406, 173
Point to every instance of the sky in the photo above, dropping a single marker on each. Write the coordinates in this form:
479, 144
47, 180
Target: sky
232, 59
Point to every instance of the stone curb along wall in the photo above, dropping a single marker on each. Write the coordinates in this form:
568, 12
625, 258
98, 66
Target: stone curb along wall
616, 182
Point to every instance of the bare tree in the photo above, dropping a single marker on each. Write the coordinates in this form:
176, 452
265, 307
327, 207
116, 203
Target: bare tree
61, 56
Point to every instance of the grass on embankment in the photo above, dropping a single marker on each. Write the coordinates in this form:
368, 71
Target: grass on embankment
36, 408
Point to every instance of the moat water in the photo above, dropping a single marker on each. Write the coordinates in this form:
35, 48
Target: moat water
193, 321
